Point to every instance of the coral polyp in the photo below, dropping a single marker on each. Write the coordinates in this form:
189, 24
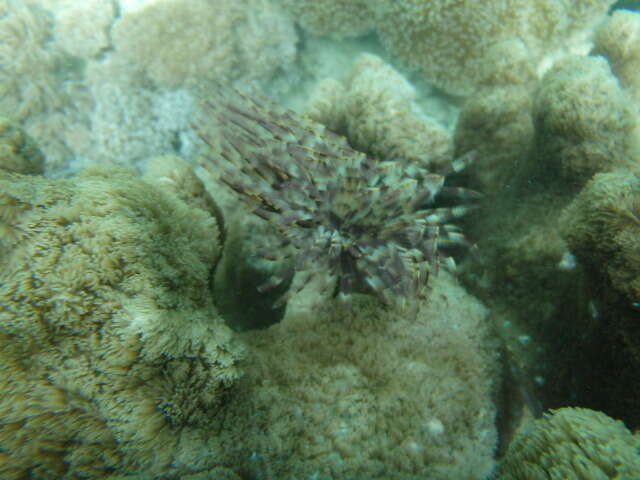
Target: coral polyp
374, 228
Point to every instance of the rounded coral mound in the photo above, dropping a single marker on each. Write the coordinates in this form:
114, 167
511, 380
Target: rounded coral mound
365, 393
114, 358
583, 119
617, 40
176, 175
602, 227
573, 443
376, 109
174, 42
452, 40
498, 126
339, 19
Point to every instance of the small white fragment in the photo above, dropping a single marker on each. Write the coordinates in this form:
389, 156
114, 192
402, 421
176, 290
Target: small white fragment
568, 262
524, 339
450, 264
434, 427
540, 380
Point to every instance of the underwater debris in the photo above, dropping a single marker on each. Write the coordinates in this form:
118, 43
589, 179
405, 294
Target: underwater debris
376, 229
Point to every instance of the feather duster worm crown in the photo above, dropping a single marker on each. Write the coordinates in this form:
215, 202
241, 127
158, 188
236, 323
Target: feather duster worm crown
371, 226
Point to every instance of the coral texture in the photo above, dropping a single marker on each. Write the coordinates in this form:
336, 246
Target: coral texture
602, 226
37, 80
174, 174
368, 222
451, 40
583, 119
18, 152
619, 41
573, 443
82, 28
27, 80
497, 125
336, 18
362, 392
114, 357
376, 109
173, 41
130, 124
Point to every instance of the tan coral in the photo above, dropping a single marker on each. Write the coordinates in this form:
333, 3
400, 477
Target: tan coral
575, 443
619, 41
450, 40
174, 42
584, 120
174, 174
336, 18
326, 104
497, 124
82, 28
118, 361
27, 82
602, 226
362, 392
38, 80
376, 109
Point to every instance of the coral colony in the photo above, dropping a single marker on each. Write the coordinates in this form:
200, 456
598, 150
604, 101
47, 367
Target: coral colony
376, 229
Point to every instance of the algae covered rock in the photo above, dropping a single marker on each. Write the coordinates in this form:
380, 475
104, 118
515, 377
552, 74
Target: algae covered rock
114, 358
